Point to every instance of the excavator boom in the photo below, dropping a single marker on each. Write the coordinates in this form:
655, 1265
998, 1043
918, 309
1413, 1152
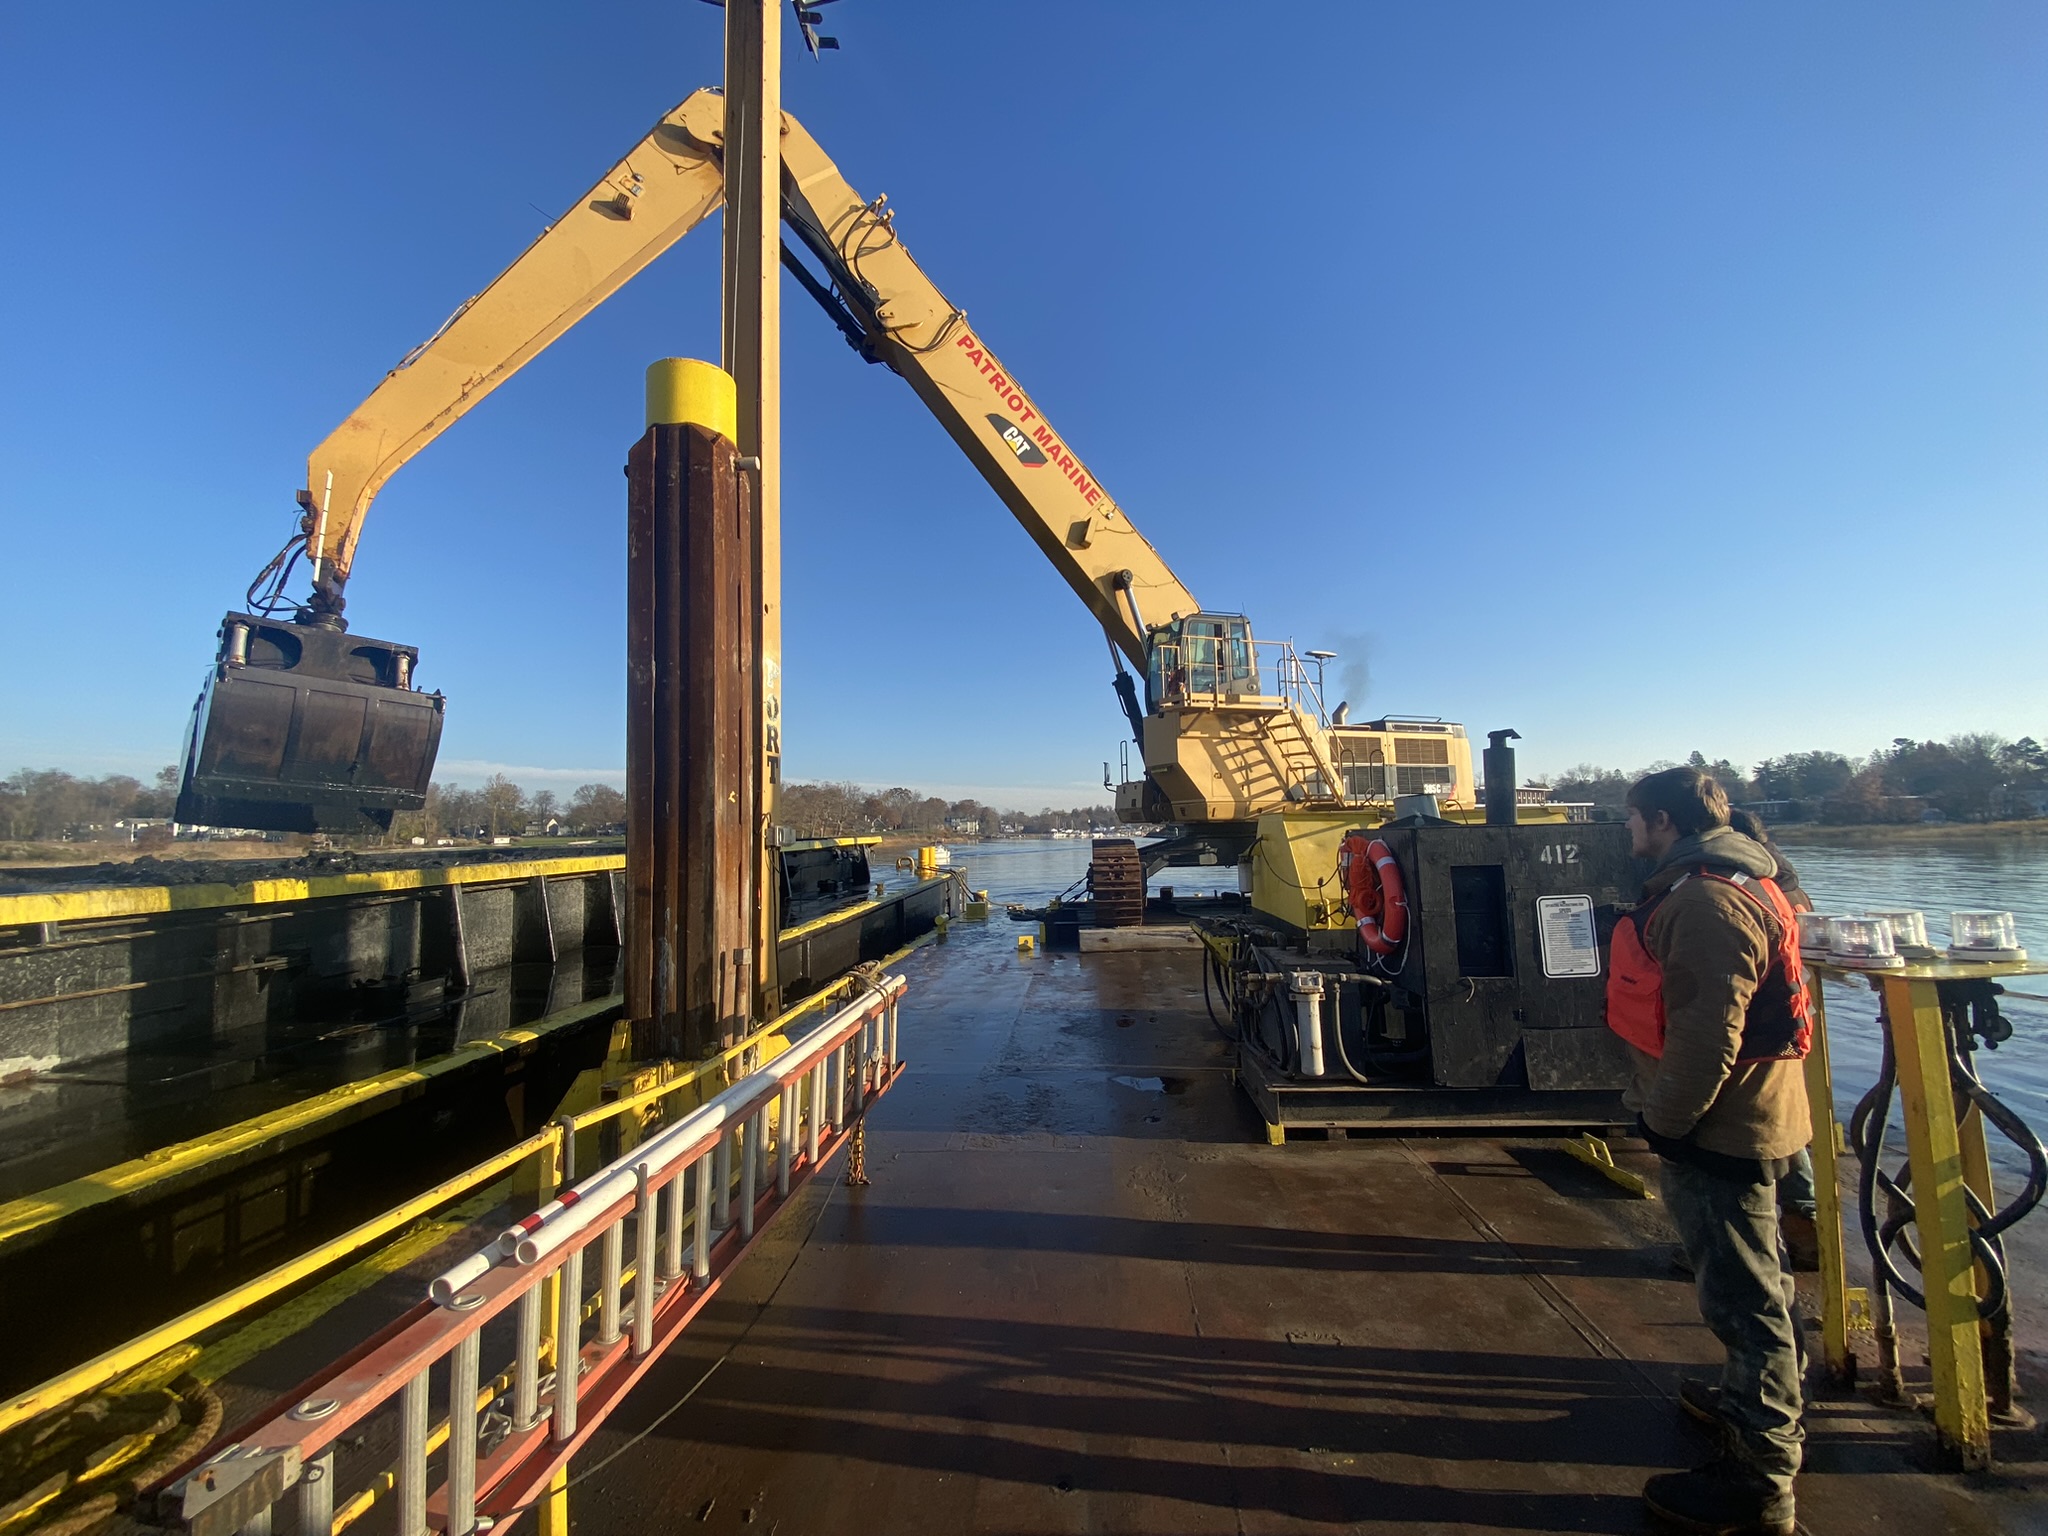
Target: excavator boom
340, 739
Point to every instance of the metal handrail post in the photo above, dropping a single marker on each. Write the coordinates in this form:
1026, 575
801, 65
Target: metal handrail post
568, 1344
816, 1116
785, 1136
749, 1162
526, 1363
721, 1174
644, 1282
700, 1248
462, 1382
672, 1250
316, 1497
611, 1264
412, 1456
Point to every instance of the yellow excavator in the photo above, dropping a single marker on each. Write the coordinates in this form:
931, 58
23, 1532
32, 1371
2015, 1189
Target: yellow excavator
302, 726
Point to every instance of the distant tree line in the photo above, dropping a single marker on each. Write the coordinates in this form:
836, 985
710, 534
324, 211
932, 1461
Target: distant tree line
47, 804
849, 810
500, 808
1973, 777
50, 805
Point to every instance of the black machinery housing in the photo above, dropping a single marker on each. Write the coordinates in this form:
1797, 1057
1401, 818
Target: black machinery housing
307, 728
1492, 1012
1472, 979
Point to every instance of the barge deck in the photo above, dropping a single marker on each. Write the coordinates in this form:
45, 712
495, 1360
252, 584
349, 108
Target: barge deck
1083, 1293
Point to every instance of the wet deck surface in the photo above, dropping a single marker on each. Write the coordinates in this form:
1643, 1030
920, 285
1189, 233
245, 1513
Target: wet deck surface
1073, 1303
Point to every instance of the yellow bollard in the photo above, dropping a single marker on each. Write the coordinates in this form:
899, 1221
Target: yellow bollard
1026, 943
681, 389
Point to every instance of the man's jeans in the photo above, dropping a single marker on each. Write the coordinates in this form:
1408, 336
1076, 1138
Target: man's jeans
1730, 1233
1795, 1190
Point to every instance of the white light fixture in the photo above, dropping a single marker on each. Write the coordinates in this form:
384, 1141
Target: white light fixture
1813, 933
1983, 936
1909, 933
1862, 943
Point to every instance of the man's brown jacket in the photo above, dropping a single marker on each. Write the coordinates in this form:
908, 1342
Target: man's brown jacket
1713, 944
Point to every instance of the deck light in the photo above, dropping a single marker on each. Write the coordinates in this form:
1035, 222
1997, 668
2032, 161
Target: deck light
1862, 943
1983, 936
1813, 933
1909, 933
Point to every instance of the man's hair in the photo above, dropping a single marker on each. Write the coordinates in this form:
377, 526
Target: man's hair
1693, 800
1749, 824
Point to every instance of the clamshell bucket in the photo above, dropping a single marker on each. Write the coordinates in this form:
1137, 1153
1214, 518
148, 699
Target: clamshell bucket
303, 728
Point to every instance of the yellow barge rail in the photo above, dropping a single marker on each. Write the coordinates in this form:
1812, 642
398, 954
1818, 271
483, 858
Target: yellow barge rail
94, 903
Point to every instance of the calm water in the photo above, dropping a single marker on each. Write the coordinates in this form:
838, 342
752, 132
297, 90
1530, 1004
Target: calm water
1033, 870
1937, 877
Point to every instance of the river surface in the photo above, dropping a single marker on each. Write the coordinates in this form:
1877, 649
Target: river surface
1936, 876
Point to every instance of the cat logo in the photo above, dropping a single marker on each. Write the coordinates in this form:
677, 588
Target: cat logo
1028, 453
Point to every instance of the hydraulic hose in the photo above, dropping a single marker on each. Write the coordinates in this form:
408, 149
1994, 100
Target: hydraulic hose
1212, 965
1962, 1025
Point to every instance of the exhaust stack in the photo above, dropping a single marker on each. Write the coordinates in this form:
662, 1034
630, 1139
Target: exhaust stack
1499, 760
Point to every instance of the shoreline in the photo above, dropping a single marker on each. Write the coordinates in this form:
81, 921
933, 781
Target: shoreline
1792, 833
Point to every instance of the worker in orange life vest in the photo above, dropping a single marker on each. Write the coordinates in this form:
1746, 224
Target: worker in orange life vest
1705, 986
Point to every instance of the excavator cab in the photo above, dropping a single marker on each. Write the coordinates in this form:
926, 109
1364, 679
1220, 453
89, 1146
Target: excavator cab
307, 728
1205, 653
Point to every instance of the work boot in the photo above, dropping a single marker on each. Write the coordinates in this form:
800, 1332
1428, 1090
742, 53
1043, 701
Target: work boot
1802, 1241
1701, 1401
1723, 1498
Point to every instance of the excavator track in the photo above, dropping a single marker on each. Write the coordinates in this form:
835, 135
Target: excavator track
1116, 881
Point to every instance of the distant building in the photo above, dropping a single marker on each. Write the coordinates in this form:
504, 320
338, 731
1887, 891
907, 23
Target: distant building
1775, 810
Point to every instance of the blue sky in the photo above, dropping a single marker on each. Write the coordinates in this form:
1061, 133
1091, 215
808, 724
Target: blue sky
1647, 378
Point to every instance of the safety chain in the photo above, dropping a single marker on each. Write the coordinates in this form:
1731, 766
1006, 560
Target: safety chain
857, 1154
856, 1157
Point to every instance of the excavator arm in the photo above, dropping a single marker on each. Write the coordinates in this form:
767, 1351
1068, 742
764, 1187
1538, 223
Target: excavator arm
303, 727
665, 186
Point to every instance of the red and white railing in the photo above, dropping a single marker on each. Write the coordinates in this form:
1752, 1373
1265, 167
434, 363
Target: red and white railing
532, 1276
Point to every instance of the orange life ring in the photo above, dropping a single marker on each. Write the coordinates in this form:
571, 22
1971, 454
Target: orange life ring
1372, 883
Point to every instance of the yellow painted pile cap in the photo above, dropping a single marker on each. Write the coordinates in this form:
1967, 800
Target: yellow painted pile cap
683, 389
